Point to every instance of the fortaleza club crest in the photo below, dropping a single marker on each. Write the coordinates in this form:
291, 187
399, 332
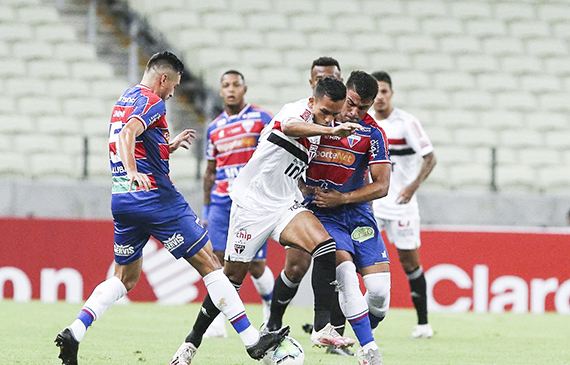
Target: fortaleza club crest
362, 234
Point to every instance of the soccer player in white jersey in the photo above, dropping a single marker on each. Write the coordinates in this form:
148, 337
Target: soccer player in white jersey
266, 202
398, 212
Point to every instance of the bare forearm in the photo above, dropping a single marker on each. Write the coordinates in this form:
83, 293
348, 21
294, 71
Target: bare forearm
209, 181
127, 149
428, 164
367, 193
301, 129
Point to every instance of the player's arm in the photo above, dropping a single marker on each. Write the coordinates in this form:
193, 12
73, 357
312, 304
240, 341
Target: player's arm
127, 138
428, 164
298, 128
378, 188
209, 181
184, 140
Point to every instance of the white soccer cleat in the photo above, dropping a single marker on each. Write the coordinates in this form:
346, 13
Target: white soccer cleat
184, 355
217, 328
422, 331
372, 357
328, 336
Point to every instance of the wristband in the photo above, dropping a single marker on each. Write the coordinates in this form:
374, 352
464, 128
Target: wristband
205, 211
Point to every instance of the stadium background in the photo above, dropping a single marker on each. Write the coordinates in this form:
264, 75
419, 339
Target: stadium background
490, 81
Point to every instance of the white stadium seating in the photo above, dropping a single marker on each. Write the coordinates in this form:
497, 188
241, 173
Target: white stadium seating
478, 74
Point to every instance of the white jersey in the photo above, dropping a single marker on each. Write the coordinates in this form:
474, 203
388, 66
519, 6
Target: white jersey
269, 179
407, 142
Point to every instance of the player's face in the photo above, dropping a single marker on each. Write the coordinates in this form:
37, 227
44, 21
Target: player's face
232, 90
354, 108
325, 110
382, 101
319, 72
168, 83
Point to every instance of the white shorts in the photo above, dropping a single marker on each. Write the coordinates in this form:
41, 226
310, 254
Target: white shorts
249, 229
404, 234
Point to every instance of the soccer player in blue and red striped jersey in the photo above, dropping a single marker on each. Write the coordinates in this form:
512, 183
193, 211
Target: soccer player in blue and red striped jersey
145, 203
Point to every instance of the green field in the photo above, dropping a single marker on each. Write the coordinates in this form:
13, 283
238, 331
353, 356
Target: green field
150, 334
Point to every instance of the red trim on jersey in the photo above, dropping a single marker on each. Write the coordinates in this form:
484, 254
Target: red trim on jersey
277, 125
152, 183
140, 152
139, 119
397, 141
113, 147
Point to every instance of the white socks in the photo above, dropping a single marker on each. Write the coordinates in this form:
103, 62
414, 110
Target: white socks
350, 297
264, 283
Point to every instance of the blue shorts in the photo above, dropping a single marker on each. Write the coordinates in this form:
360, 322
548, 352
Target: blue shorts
180, 231
354, 229
218, 226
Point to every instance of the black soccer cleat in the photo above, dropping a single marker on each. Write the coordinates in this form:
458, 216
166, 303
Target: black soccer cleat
308, 328
267, 341
68, 347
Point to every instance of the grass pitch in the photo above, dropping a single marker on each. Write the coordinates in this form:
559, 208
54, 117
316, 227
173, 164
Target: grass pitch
146, 333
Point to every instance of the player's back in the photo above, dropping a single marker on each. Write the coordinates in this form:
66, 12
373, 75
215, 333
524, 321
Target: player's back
269, 180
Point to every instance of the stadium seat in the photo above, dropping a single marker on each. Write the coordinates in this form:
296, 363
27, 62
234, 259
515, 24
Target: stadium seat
465, 10
286, 40
411, 79
519, 138
15, 32
486, 27
558, 66
310, 22
499, 46
14, 123
416, 43
454, 155
91, 70
470, 177
497, 82
433, 62
557, 139
84, 107
14, 164
242, 40
442, 26
7, 13
293, 7
547, 121
543, 47
391, 61
552, 12
329, 42
517, 100
554, 180
42, 105
30, 50
48, 69
462, 44
57, 32
174, 21
477, 63
477, 100
454, 81
68, 87
453, 118
398, 24
221, 21
516, 178
26, 86
37, 142
475, 137
561, 30
74, 51
109, 88
514, 11
540, 157
267, 21
58, 125
372, 42
497, 120
95, 126
251, 6
540, 83
529, 29
55, 165
521, 64
38, 14
279, 76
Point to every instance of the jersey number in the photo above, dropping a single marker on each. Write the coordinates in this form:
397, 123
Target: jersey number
295, 170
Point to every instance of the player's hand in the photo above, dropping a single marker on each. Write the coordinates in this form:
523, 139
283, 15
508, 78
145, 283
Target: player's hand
183, 139
346, 129
136, 179
327, 198
406, 194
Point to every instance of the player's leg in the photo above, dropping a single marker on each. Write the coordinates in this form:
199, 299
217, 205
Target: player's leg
297, 262
218, 224
129, 242
263, 280
406, 237
306, 232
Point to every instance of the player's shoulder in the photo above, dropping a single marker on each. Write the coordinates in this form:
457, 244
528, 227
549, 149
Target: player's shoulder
253, 109
218, 121
152, 97
297, 109
406, 117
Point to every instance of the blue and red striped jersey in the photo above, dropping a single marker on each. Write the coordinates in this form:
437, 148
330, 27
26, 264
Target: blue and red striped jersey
232, 139
151, 152
342, 163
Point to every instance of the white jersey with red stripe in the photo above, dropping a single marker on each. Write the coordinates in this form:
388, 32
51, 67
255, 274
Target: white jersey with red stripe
269, 180
407, 142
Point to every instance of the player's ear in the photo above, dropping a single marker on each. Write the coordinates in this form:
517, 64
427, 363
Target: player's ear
244, 89
311, 102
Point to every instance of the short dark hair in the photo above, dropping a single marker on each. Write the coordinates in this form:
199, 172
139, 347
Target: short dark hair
383, 76
232, 72
325, 61
364, 84
168, 59
330, 87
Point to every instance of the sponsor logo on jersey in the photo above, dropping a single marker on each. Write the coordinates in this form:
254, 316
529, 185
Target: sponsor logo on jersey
236, 143
118, 114
123, 250
361, 234
124, 99
242, 234
335, 156
173, 242
154, 118
374, 147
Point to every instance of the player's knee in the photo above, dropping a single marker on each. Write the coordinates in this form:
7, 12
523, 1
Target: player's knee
296, 271
346, 277
257, 268
378, 292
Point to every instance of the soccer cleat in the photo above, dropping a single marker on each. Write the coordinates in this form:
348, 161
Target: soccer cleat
68, 347
372, 357
268, 340
184, 355
308, 328
422, 331
341, 352
328, 336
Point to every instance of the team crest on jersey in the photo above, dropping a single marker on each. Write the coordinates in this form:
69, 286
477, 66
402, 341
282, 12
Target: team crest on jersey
306, 115
353, 139
248, 125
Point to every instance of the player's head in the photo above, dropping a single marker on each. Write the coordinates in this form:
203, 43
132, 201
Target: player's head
233, 89
385, 92
361, 89
162, 74
324, 67
327, 100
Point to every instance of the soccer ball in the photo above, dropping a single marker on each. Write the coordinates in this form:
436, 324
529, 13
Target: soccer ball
289, 352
